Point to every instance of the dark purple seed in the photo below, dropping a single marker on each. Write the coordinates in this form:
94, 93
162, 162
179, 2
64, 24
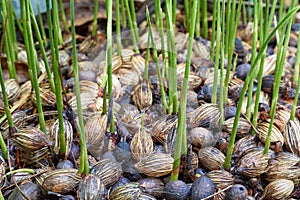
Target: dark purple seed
176, 190
237, 192
242, 71
65, 164
229, 112
200, 172
238, 45
152, 186
202, 188
31, 190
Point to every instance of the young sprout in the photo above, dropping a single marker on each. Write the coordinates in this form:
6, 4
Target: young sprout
84, 166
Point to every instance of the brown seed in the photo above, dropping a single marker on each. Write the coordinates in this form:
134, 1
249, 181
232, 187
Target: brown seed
211, 158
292, 136
163, 126
244, 144
142, 95
60, 181
12, 90
281, 170
95, 129
221, 178
207, 115
108, 170
279, 189
262, 129
129, 191
91, 187
54, 135
141, 145
30, 139
244, 127
201, 137
155, 165
253, 163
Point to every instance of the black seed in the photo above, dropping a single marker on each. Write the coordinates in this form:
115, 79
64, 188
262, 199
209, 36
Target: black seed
202, 188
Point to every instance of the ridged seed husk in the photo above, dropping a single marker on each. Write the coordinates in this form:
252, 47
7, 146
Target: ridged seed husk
276, 135
138, 63
163, 126
253, 163
129, 191
129, 76
287, 158
201, 137
91, 187
244, 127
68, 132
292, 136
116, 63
234, 88
211, 158
207, 115
244, 144
270, 64
2, 108
127, 54
127, 112
279, 189
141, 144
108, 170
283, 116
61, 181
221, 178
34, 157
48, 98
142, 95
146, 197
86, 100
12, 90
281, 170
30, 139
155, 165
89, 87
18, 119
95, 129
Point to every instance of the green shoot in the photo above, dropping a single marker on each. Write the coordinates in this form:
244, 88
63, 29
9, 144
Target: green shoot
204, 19
41, 22
172, 72
265, 27
155, 57
289, 15
277, 78
9, 44
83, 151
57, 81
132, 30
44, 56
181, 140
32, 59
94, 31
109, 46
118, 27
63, 16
